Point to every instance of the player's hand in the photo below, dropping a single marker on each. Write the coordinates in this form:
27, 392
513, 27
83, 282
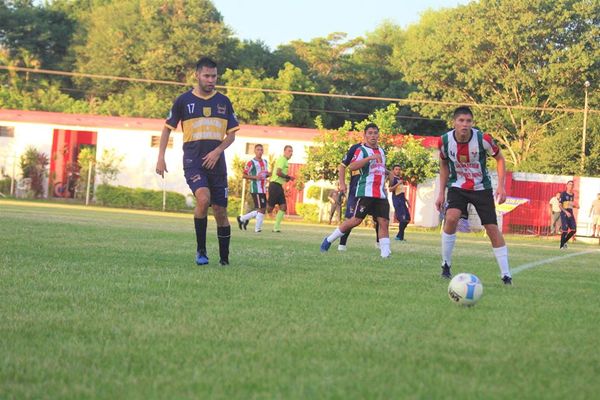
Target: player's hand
210, 160
568, 214
291, 178
500, 195
342, 187
439, 202
377, 158
161, 167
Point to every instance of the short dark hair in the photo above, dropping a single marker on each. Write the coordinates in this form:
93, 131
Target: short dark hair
371, 125
396, 165
205, 62
286, 147
570, 182
461, 111
257, 145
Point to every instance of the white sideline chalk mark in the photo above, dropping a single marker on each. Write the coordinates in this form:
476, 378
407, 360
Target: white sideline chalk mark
548, 261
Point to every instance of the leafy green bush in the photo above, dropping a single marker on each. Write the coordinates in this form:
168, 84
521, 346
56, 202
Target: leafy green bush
233, 206
309, 212
34, 166
5, 185
121, 196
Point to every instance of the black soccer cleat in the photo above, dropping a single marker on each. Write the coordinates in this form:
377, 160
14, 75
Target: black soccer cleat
240, 222
223, 262
507, 280
446, 274
246, 225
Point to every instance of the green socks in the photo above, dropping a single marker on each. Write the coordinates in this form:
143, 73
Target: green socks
278, 219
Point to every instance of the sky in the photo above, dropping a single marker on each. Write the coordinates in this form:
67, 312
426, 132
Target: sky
278, 22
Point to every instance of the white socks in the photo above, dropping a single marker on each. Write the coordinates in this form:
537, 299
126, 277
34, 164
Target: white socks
335, 235
447, 247
260, 217
249, 216
501, 254
384, 247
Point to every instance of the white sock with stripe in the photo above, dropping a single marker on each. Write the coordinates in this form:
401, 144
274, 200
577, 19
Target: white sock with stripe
335, 235
501, 254
447, 247
260, 217
249, 216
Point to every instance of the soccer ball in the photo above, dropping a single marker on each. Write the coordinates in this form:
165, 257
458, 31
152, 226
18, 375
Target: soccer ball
465, 289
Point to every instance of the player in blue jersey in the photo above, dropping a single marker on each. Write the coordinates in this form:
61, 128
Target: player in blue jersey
401, 207
209, 125
567, 216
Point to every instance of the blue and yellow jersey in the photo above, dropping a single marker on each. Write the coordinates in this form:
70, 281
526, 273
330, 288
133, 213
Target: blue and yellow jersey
205, 122
566, 199
354, 175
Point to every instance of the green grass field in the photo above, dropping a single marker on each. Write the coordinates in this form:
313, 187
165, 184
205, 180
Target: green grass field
108, 304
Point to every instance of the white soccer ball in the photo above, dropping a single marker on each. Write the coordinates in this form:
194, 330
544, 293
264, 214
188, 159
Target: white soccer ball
465, 289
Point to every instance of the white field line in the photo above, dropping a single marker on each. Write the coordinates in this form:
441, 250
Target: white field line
534, 264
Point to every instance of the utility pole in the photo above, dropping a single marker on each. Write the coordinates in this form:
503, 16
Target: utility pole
586, 85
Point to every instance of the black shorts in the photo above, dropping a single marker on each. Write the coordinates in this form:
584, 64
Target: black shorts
260, 200
482, 200
370, 205
276, 194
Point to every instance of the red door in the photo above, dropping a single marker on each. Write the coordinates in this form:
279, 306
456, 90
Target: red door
64, 171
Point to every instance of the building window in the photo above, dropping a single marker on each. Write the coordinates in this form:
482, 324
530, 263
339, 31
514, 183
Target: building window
250, 148
7, 131
155, 142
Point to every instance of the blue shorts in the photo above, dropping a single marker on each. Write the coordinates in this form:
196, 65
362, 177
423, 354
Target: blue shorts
568, 223
350, 204
216, 184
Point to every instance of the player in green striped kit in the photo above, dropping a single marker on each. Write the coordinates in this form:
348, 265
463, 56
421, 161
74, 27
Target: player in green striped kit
371, 195
256, 171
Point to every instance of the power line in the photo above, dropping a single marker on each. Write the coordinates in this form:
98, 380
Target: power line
362, 113
300, 93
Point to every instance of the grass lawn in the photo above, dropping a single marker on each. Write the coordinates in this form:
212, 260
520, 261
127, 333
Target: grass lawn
99, 303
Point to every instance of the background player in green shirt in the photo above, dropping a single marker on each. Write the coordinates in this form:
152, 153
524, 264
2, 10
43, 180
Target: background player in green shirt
276, 192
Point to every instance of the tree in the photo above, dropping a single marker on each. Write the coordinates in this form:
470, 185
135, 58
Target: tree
109, 166
509, 53
416, 162
34, 165
86, 160
331, 145
266, 108
560, 152
151, 39
40, 31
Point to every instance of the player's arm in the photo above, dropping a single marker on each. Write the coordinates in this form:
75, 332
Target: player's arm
161, 165
245, 175
342, 177
280, 174
358, 164
501, 169
393, 187
210, 160
444, 175
560, 205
